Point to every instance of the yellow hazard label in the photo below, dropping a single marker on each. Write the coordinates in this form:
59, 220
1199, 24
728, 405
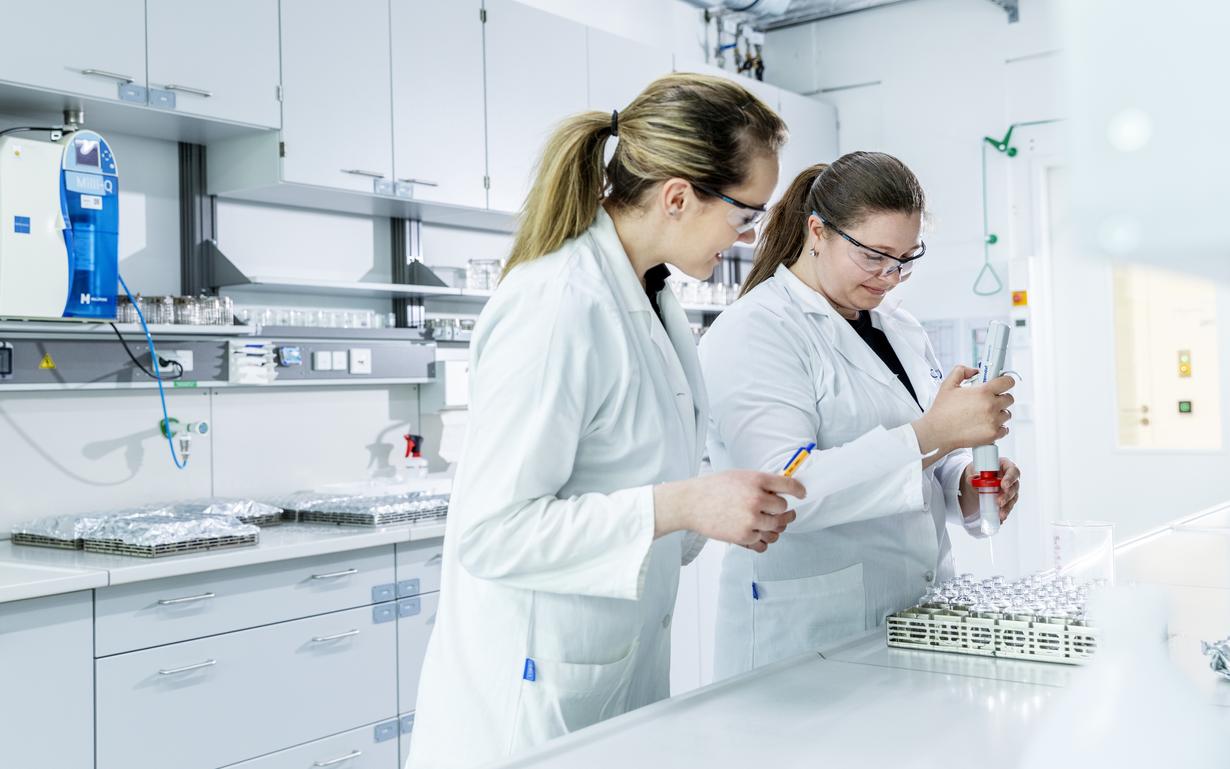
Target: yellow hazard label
47, 362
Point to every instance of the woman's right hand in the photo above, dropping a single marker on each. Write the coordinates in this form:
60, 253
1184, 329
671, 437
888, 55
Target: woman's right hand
742, 507
964, 417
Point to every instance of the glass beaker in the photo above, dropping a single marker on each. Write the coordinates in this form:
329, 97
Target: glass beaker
1084, 550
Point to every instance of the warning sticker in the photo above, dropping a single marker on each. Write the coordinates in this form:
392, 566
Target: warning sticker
47, 362
1020, 298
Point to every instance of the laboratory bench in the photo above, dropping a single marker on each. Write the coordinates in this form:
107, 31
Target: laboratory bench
862, 703
302, 650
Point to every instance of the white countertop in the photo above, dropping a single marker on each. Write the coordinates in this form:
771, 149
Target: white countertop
30, 572
19, 580
865, 704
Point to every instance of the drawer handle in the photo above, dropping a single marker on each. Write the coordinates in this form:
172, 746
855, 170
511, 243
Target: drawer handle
347, 757
185, 599
320, 639
361, 172
420, 182
336, 574
123, 79
194, 91
188, 668
435, 559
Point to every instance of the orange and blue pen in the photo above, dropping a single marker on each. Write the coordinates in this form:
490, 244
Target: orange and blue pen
797, 460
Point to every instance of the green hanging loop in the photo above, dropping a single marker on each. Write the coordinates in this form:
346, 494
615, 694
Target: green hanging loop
1004, 145
987, 269
992, 239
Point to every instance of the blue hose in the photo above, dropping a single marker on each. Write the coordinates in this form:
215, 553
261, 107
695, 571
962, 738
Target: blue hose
153, 354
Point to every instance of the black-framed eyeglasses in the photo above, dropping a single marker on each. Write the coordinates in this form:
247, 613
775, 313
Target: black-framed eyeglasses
742, 222
872, 260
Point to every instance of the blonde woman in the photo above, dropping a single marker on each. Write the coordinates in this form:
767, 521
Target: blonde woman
575, 502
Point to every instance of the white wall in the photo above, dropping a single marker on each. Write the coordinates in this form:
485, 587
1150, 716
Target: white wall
671, 25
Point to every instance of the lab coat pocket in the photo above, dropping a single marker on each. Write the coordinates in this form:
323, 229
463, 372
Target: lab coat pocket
796, 616
561, 697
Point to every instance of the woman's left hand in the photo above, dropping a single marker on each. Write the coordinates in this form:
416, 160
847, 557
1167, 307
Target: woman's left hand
1009, 489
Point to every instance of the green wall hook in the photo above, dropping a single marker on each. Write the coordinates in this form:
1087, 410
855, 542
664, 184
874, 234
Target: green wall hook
992, 239
1003, 145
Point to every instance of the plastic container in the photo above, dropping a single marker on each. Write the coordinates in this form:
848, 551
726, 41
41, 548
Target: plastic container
1084, 550
482, 274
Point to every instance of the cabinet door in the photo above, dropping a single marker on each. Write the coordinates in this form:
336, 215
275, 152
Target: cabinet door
813, 136
619, 69
55, 45
439, 137
536, 77
336, 110
219, 58
416, 619
47, 705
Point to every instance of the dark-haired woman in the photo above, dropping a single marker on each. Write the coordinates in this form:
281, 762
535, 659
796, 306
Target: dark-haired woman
576, 500
813, 352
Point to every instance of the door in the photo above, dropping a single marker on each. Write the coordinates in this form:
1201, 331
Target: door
79, 47
439, 131
536, 77
336, 112
220, 59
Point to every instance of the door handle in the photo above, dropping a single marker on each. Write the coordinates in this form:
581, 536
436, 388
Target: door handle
336, 574
361, 172
185, 599
186, 89
335, 761
187, 668
422, 182
124, 79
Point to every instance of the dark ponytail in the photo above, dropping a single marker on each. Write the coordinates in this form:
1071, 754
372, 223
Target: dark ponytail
844, 193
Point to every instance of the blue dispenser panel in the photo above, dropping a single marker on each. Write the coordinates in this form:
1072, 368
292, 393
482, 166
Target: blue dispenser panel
89, 196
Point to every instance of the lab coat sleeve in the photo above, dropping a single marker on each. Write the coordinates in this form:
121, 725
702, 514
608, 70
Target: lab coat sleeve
538, 384
693, 543
948, 472
763, 398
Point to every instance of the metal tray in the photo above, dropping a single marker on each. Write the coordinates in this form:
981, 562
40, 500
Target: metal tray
119, 547
1006, 636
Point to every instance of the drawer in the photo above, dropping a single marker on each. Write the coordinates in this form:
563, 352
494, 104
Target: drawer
418, 567
416, 618
46, 700
358, 749
216, 701
146, 614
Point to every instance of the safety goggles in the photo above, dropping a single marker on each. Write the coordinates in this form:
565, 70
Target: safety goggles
877, 262
743, 217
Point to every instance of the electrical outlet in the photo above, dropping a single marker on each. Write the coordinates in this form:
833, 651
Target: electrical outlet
183, 357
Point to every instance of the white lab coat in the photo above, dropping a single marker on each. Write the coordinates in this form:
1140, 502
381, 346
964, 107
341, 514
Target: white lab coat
783, 368
580, 402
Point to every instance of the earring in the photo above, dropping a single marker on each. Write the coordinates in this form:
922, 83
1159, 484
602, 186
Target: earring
674, 212
812, 253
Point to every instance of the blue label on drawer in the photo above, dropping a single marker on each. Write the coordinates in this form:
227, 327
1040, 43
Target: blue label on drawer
387, 731
409, 607
407, 724
21, 224
408, 587
385, 612
385, 592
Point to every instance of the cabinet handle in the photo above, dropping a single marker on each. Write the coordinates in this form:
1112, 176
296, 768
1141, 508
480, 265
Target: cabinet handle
125, 79
336, 574
421, 182
186, 89
361, 172
187, 668
432, 561
347, 757
185, 599
320, 639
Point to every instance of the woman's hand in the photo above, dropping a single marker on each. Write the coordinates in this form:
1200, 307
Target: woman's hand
963, 417
742, 507
1009, 489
